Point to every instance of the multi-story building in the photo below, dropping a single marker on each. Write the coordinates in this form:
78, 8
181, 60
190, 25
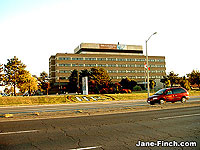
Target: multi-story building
120, 61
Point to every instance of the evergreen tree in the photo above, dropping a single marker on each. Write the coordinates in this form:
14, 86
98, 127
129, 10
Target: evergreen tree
73, 82
14, 69
43, 82
194, 77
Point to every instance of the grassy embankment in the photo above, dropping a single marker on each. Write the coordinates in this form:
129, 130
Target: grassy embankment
68, 99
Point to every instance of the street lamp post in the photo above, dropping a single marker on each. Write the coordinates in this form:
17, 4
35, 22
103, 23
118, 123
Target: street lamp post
147, 62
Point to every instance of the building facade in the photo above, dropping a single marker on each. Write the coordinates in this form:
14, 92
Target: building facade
120, 61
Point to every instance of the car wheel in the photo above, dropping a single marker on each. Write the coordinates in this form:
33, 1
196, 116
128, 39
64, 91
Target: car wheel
152, 103
183, 100
162, 101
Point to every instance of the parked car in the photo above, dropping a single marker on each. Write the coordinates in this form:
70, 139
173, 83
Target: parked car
169, 95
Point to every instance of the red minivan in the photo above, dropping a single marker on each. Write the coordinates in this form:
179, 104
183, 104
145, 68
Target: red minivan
169, 95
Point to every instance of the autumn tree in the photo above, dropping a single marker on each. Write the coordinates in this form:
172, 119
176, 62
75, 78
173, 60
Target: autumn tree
14, 69
28, 83
100, 78
152, 84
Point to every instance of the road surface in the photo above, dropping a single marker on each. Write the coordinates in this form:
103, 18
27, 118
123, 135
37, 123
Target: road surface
104, 132
78, 106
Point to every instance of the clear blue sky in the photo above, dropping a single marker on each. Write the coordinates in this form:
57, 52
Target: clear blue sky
33, 30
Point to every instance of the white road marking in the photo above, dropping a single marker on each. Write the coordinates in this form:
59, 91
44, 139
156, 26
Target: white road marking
87, 148
17, 132
177, 116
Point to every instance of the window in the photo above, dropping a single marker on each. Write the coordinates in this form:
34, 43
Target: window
61, 65
62, 78
151, 60
112, 65
139, 59
121, 59
65, 71
80, 65
140, 71
101, 65
139, 65
90, 65
64, 58
130, 71
67, 65
77, 58
101, 59
74, 65
61, 71
178, 90
90, 59
121, 71
112, 71
61, 58
130, 59
111, 59
121, 77
169, 92
121, 65
160, 60
130, 65
64, 65
113, 77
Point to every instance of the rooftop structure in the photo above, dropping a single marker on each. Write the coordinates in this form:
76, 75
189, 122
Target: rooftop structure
119, 49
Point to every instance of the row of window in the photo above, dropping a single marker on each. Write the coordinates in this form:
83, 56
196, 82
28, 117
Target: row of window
122, 77
121, 71
110, 59
107, 65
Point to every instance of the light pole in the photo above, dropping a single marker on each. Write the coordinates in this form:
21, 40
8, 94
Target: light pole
147, 62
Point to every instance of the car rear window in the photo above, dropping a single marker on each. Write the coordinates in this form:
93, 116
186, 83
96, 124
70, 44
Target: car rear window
178, 90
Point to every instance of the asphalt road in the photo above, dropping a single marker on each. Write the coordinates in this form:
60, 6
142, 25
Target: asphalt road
79, 106
108, 132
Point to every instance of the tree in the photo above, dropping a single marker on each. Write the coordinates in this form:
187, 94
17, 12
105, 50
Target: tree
14, 69
128, 83
165, 81
152, 84
185, 83
170, 79
43, 82
28, 83
73, 81
174, 79
100, 78
194, 77
1, 73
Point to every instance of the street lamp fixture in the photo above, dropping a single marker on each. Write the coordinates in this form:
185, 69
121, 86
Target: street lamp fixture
147, 62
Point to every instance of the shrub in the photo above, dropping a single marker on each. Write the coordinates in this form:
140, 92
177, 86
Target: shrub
104, 91
137, 88
125, 91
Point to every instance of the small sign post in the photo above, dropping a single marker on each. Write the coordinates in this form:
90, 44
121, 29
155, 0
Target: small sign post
85, 85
